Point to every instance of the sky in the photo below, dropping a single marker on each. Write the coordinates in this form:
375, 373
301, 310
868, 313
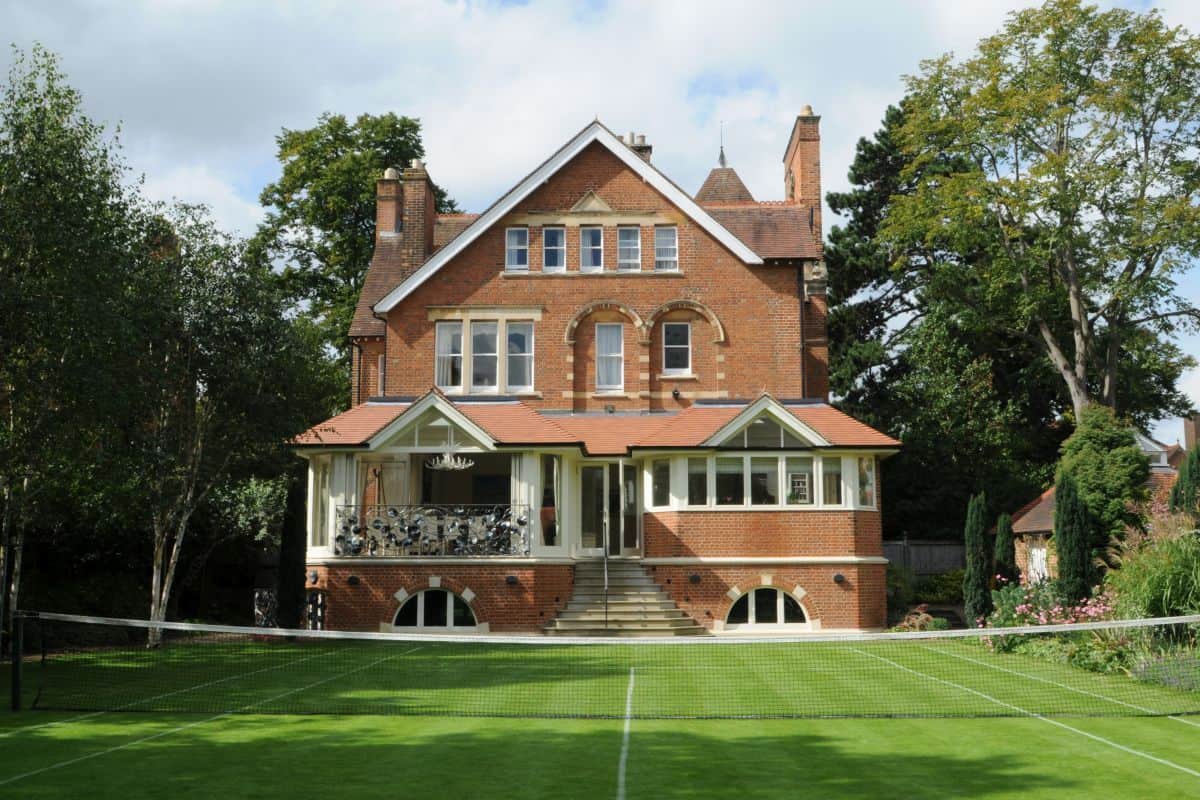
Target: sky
200, 88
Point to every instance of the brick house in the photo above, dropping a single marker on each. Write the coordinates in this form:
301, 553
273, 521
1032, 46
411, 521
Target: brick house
600, 405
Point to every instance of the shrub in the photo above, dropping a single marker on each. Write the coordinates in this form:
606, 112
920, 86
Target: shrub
919, 619
1185, 494
943, 589
1005, 557
1159, 577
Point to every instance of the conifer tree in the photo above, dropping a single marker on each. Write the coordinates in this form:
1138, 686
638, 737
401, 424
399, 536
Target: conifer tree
1185, 494
977, 597
1072, 533
1006, 552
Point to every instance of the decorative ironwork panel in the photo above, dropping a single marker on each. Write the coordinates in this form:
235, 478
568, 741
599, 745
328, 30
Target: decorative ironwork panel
394, 531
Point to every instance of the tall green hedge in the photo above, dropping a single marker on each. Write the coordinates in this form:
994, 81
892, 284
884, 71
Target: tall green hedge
1185, 494
1006, 551
1073, 530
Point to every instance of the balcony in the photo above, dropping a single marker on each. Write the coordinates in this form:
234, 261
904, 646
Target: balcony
395, 531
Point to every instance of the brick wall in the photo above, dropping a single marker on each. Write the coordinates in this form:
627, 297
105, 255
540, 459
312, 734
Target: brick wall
762, 533
759, 307
859, 602
1021, 545
540, 593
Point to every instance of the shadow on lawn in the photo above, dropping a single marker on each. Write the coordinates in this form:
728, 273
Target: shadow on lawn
367, 757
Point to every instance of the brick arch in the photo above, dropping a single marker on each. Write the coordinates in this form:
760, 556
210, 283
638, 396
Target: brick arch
686, 305
601, 305
798, 594
453, 585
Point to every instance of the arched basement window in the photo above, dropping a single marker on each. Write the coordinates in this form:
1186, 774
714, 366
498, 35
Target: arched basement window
435, 608
765, 606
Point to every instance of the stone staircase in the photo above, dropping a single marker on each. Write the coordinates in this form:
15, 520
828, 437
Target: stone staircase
636, 605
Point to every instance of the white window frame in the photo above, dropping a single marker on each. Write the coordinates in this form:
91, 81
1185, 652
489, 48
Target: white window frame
670, 462
679, 481
626, 265
509, 264
585, 248
419, 597
511, 388
677, 371
547, 248
858, 488
604, 388
462, 354
751, 622
484, 388
666, 264
379, 368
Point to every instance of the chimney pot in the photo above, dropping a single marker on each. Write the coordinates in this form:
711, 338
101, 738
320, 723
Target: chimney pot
416, 163
391, 174
641, 140
631, 139
806, 110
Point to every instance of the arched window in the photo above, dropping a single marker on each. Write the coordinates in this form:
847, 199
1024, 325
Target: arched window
766, 606
435, 608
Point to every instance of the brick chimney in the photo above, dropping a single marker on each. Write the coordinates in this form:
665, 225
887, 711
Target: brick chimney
417, 214
802, 164
387, 204
1191, 426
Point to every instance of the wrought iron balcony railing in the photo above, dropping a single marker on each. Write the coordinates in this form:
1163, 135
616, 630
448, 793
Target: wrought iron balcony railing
391, 531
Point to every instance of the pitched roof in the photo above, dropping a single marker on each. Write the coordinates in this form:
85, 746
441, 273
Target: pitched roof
1036, 516
594, 132
515, 423
387, 270
723, 185
773, 230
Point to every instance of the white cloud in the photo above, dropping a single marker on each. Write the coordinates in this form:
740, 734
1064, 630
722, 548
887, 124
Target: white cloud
196, 183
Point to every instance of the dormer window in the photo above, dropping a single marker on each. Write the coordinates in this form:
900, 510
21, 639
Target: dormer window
516, 249
591, 249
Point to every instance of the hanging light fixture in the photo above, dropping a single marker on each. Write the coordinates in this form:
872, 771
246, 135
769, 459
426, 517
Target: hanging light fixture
449, 461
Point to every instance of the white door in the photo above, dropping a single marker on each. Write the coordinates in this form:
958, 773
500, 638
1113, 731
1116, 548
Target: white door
1038, 570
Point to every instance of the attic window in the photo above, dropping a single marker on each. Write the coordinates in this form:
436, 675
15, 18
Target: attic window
764, 433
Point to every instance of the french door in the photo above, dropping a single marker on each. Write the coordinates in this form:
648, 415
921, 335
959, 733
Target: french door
608, 504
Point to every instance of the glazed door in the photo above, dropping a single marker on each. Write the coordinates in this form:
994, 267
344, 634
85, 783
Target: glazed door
608, 503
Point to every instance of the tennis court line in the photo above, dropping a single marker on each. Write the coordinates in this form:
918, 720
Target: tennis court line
1098, 696
1031, 714
624, 759
198, 723
93, 714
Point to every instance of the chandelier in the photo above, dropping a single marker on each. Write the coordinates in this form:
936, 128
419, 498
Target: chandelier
449, 461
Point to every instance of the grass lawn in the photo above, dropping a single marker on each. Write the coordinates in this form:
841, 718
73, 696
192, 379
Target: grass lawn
418, 739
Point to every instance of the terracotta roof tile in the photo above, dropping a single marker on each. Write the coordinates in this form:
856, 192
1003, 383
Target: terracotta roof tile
770, 230
723, 185
1036, 516
515, 423
608, 434
839, 428
352, 427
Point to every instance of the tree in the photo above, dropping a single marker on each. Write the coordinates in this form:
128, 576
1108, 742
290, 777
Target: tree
1079, 129
224, 381
289, 586
977, 596
1006, 553
69, 230
1185, 494
910, 355
1110, 472
321, 212
1072, 534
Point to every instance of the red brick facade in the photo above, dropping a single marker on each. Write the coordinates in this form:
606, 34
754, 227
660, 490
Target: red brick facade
750, 282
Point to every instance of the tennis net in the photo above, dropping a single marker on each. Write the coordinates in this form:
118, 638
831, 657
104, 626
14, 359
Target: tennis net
1136, 667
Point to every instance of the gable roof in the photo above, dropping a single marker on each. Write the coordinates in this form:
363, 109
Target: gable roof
1036, 516
594, 132
723, 185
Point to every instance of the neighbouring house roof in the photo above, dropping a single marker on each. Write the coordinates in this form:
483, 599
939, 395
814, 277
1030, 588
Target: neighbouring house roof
1036, 516
723, 185
1175, 455
387, 270
595, 132
773, 230
512, 423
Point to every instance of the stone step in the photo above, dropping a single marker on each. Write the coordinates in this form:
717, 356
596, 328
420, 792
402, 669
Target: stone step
621, 603
626, 633
623, 615
616, 580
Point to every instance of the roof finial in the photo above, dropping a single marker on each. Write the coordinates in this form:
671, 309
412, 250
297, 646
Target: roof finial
721, 157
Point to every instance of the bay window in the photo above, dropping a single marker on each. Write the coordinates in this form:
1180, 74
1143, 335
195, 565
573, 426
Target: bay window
831, 481
866, 482
754, 480
697, 481
731, 489
660, 482
764, 481
799, 476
